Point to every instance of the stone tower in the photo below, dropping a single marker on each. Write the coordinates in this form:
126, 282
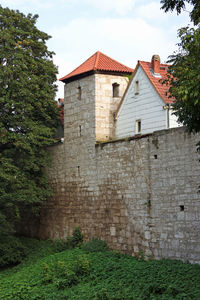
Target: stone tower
92, 94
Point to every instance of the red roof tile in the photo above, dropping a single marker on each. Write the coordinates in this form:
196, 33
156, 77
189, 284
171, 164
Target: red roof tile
98, 62
162, 89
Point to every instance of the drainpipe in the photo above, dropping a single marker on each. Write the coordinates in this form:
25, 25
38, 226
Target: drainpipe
167, 108
168, 122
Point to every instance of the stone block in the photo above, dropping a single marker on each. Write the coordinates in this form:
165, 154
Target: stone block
112, 231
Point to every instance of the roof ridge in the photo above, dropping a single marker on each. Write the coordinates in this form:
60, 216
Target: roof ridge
97, 59
149, 62
152, 82
116, 61
78, 66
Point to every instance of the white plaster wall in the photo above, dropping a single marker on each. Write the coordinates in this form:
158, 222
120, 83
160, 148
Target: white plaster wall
106, 104
146, 106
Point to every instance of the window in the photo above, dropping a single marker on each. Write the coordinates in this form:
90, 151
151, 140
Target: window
80, 133
79, 93
138, 126
137, 87
115, 87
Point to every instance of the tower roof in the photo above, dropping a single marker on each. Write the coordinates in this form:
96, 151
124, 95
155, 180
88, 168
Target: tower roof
97, 62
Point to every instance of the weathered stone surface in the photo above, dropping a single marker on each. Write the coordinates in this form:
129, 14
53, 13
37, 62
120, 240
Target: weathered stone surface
127, 197
138, 195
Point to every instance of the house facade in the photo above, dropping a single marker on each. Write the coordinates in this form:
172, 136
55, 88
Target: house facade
145, 107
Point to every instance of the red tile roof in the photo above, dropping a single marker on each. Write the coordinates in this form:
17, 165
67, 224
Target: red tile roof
98, 62
162, 89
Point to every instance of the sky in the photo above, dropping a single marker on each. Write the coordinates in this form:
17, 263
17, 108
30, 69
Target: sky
125, 30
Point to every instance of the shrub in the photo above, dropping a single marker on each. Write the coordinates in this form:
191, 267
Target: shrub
61, 245
15, 249
69, 242
102, 295
95, 245
12, 250
77, 237
117, 253
65, 273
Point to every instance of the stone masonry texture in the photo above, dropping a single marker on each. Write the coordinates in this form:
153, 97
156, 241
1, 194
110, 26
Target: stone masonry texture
140, 195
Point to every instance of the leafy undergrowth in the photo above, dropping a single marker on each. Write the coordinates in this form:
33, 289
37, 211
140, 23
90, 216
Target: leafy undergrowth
76, 275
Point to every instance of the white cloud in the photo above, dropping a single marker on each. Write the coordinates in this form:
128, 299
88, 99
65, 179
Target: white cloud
28, 3
13, 2
120, 6
83, 35
64, 67
152, 11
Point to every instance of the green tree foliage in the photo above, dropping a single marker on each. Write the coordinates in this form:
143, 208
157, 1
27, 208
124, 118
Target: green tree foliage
185, 82
28, 115
179, 5
184, 77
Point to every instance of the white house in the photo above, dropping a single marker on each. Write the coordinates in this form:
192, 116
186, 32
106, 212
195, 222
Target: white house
145, 106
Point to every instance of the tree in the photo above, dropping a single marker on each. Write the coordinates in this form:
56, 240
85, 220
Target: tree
28, 115
184, 72
179, 5
185, 79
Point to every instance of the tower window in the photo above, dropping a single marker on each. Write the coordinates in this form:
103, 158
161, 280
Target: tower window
138, 126
137, 87
79, 93
80, 133
115, 88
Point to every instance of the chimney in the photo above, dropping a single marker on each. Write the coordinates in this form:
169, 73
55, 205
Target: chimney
155, 61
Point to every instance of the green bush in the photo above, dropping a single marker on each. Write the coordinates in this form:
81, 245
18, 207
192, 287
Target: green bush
102, 294
65, 273
62, 245
12, 250
69, 242
95, 245
15, 249
77, 237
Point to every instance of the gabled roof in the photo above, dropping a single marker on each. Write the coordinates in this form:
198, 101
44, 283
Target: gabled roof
98, 62
162, 89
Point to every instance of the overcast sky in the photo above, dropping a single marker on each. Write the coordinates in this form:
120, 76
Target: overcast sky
125, 30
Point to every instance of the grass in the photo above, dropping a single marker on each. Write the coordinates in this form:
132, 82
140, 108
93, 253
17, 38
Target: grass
76, 275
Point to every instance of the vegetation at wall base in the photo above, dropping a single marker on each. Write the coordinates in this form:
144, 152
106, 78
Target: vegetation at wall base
75, 275
14, 250
95, 245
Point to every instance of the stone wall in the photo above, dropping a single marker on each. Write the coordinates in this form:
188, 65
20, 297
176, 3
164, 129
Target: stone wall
140, 194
